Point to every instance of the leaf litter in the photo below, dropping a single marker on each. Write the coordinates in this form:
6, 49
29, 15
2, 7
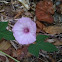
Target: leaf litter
12, 10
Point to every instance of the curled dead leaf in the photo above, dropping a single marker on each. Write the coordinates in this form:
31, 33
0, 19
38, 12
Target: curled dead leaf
42, 16
46, 6
44, 9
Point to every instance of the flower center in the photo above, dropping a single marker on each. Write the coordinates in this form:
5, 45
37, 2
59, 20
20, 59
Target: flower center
26, 30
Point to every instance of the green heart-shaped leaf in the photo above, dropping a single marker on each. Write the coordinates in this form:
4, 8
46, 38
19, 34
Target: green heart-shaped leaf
40, 44
7, 35
41, 38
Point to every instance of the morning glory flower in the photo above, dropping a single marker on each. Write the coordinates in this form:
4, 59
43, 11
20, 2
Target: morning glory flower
24, 31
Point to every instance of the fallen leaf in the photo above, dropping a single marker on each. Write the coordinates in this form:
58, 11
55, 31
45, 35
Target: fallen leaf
53, 29
58, 43
46, 6
4, 45
42, 16
44, 11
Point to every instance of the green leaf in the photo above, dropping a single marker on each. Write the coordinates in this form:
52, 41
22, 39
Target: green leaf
3, 25
7, 35
40, 44
4, 33
33, 49
47, 47
1, 36
41, 38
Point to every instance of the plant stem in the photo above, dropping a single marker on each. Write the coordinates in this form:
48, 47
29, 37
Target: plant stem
9, 56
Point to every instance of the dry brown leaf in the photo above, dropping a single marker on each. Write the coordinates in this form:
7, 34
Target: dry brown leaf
44, 9
42, 16
46, 6
53, 29
4, 45
58, 43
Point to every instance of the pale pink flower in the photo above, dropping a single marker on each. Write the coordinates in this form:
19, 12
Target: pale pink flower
24, 31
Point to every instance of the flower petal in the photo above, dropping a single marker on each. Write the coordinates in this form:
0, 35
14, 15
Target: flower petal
20, 36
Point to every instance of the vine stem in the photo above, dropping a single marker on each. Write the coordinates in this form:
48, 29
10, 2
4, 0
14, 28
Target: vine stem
9, 56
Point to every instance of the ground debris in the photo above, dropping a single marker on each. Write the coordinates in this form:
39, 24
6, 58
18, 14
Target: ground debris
12, 10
